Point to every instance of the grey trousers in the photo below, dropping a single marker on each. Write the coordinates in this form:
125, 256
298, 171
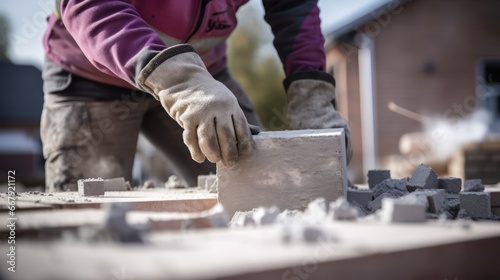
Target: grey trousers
90, 130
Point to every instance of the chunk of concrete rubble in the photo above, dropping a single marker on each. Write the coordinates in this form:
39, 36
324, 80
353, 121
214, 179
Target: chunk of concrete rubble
175, 183
395, 187
360, 197
435, 199
376, 204
91, 187
288, 169
317, 210
402, 210
149, 184
423, 178
265, 215
475, 204
473, 185
376, 177
115, 184
341, 210
450, 184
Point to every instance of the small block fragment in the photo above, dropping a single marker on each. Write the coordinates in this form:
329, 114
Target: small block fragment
376, 177
91, 187
402, 211
450, 184
473, 185
476, 204
423, 178
115, 184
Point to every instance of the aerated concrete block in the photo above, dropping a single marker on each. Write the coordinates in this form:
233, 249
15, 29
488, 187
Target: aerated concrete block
376, 177
423, 178
476, 204
473, 185
360, 197
402, 211
450, 185
115, 184
91, 187
435, 198
288, 169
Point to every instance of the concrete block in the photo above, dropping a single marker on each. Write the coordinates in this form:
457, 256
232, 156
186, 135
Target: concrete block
476, 204
91, 187
473, 185
376, 177
423, 178
402, 211
206, 181
288, 169
360, 197
396, 187
435, 199
115, 184
376, 204
450, 184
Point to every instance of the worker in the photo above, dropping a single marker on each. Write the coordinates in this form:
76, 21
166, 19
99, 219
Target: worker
116, 68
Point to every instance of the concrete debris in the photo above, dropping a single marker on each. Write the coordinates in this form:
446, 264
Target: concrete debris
265, 216
476, 204
91, 187
360, 197
175, 183
423, 178
376, 204
317, 210
402, 211
116, 223
376, 177
473, 185
341, 210
395, 187
149, 184
115, 184
450, 184
435, 199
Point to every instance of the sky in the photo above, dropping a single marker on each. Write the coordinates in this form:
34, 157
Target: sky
27, 22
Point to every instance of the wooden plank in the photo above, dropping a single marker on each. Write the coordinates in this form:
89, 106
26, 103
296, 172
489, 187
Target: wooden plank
357, 250
175, 200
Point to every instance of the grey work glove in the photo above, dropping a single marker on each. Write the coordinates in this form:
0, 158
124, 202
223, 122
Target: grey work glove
213, 122
310, 104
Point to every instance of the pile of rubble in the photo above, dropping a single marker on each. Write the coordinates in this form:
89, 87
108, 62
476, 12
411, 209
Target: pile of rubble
422, 196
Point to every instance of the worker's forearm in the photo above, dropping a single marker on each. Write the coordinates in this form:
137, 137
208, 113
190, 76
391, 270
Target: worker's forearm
112, 35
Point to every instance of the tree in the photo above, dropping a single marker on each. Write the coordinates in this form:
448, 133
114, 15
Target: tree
260, 75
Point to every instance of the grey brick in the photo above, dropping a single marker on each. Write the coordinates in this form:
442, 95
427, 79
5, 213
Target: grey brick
91, 187
423, 178
115, 184
476, 204
450, 184
376, 177
402, 211
435, 198
360, 197
473, 185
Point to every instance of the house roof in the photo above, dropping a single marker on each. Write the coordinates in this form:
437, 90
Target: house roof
347, 31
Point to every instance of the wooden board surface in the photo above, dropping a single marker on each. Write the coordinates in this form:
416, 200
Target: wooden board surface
355, 251
173, 200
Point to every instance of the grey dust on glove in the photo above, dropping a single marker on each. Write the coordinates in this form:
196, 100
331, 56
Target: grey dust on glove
213, 122
310, 104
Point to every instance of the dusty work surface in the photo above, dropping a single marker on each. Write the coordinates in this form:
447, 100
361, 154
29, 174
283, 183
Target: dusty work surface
175, 200
353, 251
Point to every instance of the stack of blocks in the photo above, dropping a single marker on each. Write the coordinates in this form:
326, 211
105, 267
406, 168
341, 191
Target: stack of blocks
91, 187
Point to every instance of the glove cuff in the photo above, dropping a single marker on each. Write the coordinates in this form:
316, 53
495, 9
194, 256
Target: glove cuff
308, 75
148, 80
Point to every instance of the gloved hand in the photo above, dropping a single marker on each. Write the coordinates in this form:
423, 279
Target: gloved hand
310, 96
214, 124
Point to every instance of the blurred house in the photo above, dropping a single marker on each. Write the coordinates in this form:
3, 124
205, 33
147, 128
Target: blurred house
433, 57
21, 101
